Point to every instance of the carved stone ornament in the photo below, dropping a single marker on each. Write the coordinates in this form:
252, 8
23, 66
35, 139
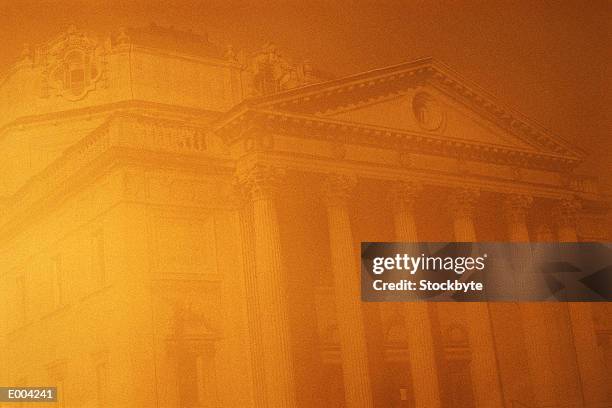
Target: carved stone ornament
516, 207
428, 112
259, 141
516, 173
262, 180
338, 188
272, 72
404, 193
462, 202
73, 65
406, 159
566, 212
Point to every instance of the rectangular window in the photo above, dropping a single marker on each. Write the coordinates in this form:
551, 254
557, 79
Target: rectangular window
197, 381
77, 77
77, 81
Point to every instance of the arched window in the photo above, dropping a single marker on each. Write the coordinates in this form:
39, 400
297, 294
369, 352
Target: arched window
75, 72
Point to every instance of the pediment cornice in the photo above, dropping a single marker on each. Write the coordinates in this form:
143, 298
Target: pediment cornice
363, 88
312, 126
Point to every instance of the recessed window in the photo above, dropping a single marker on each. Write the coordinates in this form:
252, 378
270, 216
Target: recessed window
75, 70
197, 382
77, 76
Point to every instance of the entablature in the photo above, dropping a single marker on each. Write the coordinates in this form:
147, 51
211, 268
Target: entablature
316, 144
313, 127
378, 172
149, 141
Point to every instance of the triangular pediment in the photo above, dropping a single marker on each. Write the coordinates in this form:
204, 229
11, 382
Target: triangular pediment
426, 110
420, 96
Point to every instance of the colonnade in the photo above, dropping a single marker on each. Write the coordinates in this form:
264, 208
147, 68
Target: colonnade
336, 192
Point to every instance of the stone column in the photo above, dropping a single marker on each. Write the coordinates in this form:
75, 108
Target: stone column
421, 349
483, 365
247, 239
516, 207
263, 181
565, 215
403, 197
590, 360
357, 385
462, 203
534, 317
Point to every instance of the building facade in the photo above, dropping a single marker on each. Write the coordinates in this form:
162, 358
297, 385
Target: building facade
180, 225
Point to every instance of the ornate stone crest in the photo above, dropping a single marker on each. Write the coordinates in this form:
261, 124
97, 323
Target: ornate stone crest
73, 65
428, 112
272, 72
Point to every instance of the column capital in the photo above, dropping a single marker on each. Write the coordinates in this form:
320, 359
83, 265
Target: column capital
566, 212
338, 188
462, 201
516, 207
404, 193
237, 195
544, 233
261, 180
